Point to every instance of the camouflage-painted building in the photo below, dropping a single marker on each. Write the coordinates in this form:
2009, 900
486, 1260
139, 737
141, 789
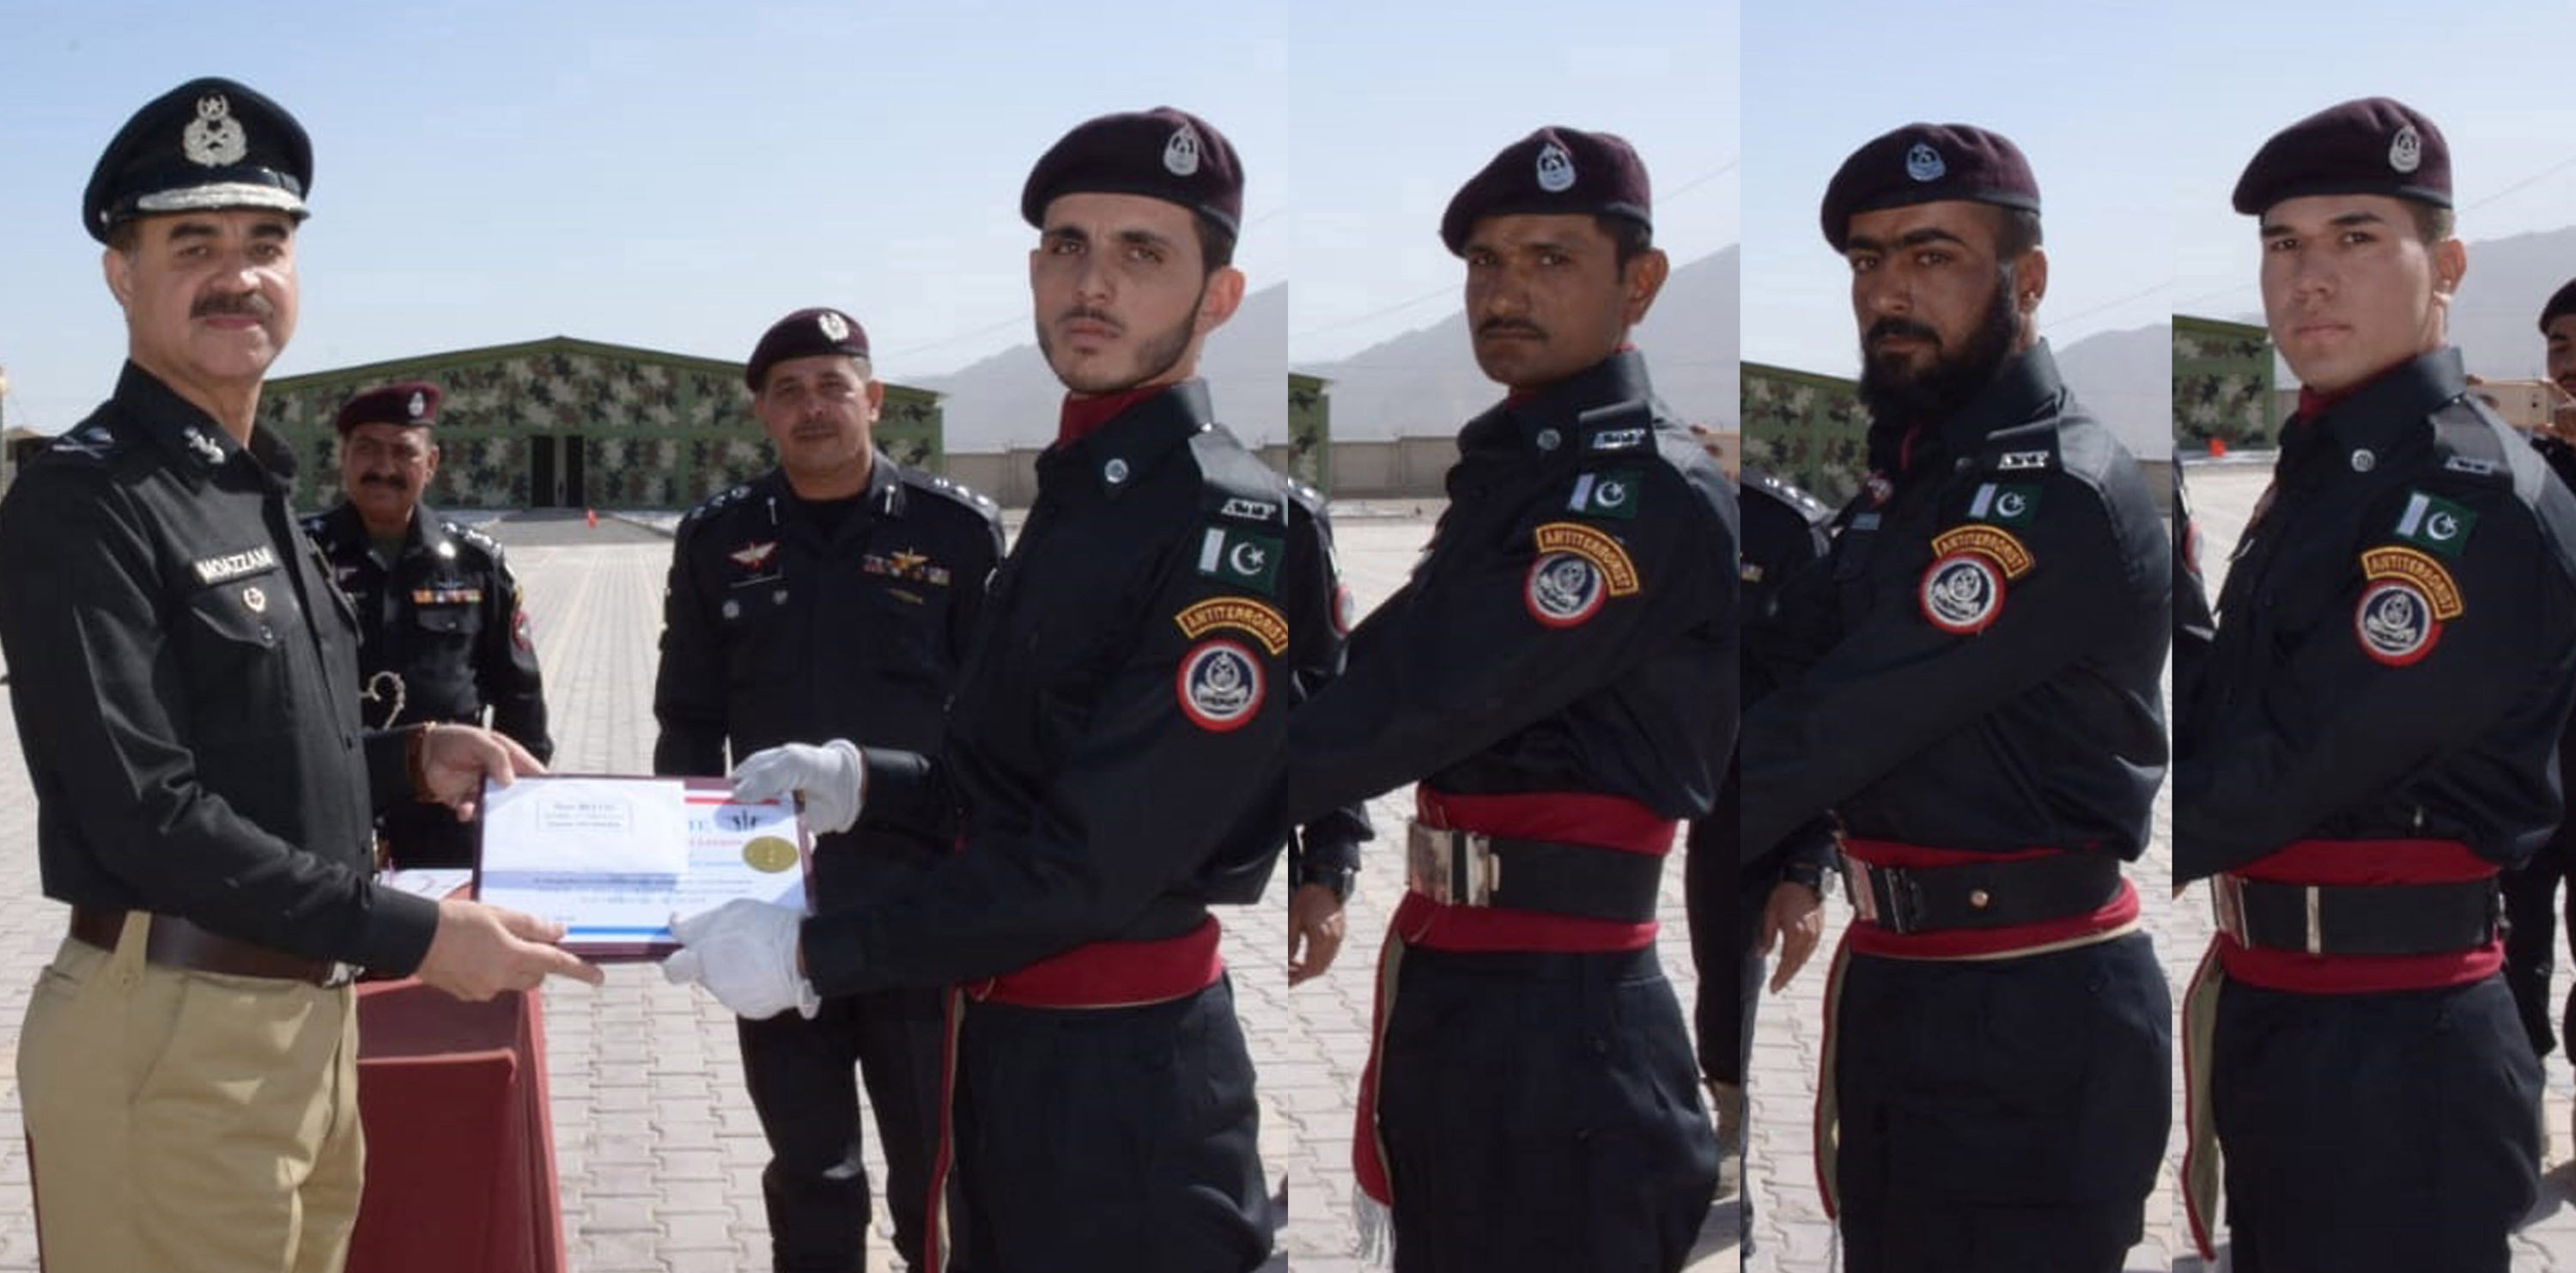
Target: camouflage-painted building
2222, 383
1808, 428
564, 423
1310, 430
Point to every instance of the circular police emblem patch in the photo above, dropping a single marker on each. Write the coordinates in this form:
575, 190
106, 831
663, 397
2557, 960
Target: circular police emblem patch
1564, 590
1555, 169
1962, 593
1220, 686
1924, 163
2395, 622
2406, 149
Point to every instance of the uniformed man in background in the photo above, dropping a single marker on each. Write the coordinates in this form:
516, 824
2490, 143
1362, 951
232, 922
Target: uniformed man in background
186, 691
443, 631
831, 597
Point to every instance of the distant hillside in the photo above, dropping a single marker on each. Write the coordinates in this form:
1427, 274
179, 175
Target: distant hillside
2126, 377
1425, 382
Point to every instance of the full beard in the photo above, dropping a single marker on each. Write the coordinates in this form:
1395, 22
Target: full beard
1156, 355
1894, 393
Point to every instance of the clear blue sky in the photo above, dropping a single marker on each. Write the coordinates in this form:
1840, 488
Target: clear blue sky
677, 175
2081, 88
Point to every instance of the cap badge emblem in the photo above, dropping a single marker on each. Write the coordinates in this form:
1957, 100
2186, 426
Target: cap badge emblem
1555, 169
418, 405
1924, 163
2406, 149
1181, 153
214, 138
833, 328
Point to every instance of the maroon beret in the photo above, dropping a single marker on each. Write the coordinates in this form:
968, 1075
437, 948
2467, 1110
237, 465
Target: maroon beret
2373, 145
1165, 154
205, 145
1553, 170
409, 403
804, 334
1927, 163
2562, 301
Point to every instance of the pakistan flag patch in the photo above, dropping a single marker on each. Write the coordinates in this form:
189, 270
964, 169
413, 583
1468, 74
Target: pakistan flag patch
1240, 558
2004, 504
1611, 493
2430, 521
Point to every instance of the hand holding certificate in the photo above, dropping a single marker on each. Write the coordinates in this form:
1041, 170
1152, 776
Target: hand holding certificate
613, 859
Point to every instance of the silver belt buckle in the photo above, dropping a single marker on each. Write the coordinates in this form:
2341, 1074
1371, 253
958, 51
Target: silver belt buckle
341, 974
2227, 906
1856, 888
1453, 868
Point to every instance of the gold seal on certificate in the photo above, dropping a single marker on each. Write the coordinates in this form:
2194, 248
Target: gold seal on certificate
769, 854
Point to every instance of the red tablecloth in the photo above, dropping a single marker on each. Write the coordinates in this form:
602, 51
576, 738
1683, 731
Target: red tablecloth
460, 1146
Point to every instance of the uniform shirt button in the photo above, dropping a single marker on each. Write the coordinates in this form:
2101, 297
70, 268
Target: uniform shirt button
1979, 899
2364, 461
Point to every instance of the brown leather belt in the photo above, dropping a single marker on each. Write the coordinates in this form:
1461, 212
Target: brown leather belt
176, 943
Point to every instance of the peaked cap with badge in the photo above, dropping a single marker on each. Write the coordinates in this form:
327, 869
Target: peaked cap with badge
1927, 163
2370, 145
1553, 170
206, 145
408, 403
1163, 153
807, 333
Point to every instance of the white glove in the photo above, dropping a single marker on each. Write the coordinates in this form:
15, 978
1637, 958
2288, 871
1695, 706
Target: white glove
744, 953
830, 779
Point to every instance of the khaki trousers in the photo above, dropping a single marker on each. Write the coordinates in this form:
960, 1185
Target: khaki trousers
184, 1120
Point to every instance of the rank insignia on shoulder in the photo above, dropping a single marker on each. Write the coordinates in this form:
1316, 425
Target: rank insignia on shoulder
2020, 461
1240, 557
2429, 521
1617, 440
1259, 620
1251, 510
1220, 685
2406, 598
1611, 493
1577, 570
2005, 505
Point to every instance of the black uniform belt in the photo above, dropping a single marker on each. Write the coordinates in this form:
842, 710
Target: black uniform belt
176, 943
2005, 893
1468, 868
2358, 919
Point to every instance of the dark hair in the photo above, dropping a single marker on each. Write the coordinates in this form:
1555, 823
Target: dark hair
125, 236
2432, 223
1216, 243
1629, 238
2016, 232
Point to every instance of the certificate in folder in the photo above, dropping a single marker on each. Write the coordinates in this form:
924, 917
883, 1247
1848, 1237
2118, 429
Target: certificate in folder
612, 859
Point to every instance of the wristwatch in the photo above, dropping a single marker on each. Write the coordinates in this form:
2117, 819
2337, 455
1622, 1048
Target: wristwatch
1339, 879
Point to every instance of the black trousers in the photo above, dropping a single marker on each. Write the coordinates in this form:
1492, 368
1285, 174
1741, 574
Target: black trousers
2004, 1115
1541, 1113
2384, 1133
802, 1084
1110, 1140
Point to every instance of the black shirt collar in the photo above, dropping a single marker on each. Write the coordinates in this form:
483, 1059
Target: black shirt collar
1115, 457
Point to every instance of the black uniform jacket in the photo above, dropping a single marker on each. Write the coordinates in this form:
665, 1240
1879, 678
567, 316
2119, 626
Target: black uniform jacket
1786, 530
447, 618
1168, 600
779, 628
185, 678
2396, 648
1976, 666
1571, 628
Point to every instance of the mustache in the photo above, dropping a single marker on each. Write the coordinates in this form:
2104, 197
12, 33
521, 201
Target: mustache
1493, 325
1080, 312
249, 303
1886, 327
387, 480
